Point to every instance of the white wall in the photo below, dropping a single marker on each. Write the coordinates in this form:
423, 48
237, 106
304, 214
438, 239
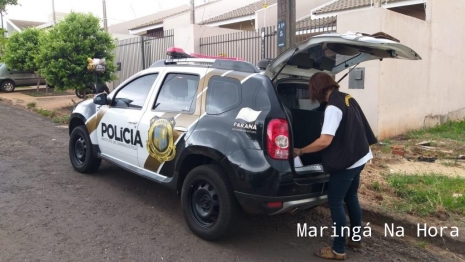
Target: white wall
269, 16
123, 28
405, 95
188, 37
123, 36
266, 17
368, 97
447, 56
204, 13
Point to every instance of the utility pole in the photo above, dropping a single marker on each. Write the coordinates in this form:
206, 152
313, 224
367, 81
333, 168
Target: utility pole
54, 17
105, 15
286, 24
192, 12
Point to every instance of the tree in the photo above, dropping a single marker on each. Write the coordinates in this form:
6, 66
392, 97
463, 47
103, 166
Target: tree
66, 48
4, 3
3, 41
21, 51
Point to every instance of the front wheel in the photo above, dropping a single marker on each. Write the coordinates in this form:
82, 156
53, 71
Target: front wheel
209, 206
81, 152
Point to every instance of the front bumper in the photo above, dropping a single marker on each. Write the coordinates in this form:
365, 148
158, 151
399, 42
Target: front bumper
255, 204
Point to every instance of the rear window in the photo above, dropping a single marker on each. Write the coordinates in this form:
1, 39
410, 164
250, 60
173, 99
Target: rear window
223, 94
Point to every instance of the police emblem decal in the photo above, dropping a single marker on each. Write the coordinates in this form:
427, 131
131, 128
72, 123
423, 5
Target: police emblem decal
160, 143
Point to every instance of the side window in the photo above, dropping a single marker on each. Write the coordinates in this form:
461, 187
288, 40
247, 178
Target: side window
223, 94
133, 95
178, 93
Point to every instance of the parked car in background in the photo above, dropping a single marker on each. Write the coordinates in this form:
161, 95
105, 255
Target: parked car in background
10, 78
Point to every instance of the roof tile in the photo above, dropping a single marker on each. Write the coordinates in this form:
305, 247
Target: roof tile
161, 19
239, 12
307, 23
22, 24
342, 5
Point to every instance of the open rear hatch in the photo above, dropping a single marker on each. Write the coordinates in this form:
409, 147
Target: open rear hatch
331, 53
334, 53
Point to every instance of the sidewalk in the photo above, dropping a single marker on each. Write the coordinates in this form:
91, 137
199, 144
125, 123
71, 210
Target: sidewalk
52, 103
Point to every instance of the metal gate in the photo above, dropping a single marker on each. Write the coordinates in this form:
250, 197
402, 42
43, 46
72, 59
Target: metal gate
253, 46
139, 53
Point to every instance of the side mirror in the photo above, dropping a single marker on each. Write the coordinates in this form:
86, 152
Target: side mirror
101, 99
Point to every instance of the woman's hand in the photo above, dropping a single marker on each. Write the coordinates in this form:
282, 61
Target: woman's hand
297, 152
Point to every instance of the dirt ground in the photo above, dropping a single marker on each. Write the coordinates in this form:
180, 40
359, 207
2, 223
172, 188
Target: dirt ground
49, 212
439, 167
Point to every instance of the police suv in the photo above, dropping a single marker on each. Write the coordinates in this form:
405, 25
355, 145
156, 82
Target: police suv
222, 132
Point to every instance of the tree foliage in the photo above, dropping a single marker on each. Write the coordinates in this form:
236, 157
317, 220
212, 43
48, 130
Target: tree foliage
4, 3
22, 50
3, 41
66, 48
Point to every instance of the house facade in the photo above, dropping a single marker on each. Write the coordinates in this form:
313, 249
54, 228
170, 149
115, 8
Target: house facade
399, 96
13, 25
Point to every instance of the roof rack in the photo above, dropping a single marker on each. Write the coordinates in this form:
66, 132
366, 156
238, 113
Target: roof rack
241, 66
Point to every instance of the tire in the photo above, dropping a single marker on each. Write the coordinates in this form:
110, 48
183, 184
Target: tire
210, 209
79, 93
8, 86
81, 152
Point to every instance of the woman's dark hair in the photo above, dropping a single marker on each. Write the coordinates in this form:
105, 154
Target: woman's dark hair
319, 84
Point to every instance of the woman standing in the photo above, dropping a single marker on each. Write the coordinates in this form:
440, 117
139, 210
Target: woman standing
344, 143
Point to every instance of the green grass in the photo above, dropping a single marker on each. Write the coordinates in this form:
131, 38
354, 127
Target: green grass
31, 105
387, 141
45, 112
61, 120
449, 130
376, 186
425, 194
421, 244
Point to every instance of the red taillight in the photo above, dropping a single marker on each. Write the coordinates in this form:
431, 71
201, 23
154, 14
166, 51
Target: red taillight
278, 139
275, 204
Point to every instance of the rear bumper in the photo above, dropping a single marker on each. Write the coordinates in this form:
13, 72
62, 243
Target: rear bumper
255, 204
301, 204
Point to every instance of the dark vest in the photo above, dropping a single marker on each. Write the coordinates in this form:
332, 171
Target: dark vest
353, 136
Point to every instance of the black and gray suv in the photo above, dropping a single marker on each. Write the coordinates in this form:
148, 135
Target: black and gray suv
222, 132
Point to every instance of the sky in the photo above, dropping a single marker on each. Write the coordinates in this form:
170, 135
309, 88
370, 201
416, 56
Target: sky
117, 10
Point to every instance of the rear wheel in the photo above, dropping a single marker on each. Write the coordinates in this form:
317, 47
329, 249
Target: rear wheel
8, 86
209, 206
81, 152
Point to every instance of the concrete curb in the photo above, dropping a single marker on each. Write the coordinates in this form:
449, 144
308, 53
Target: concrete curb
453, 244
24, 106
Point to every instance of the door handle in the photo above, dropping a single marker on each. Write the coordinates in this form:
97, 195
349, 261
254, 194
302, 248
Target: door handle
134, 122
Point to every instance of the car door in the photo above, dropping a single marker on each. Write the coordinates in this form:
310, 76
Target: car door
22, 78
173, 112
117, 133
